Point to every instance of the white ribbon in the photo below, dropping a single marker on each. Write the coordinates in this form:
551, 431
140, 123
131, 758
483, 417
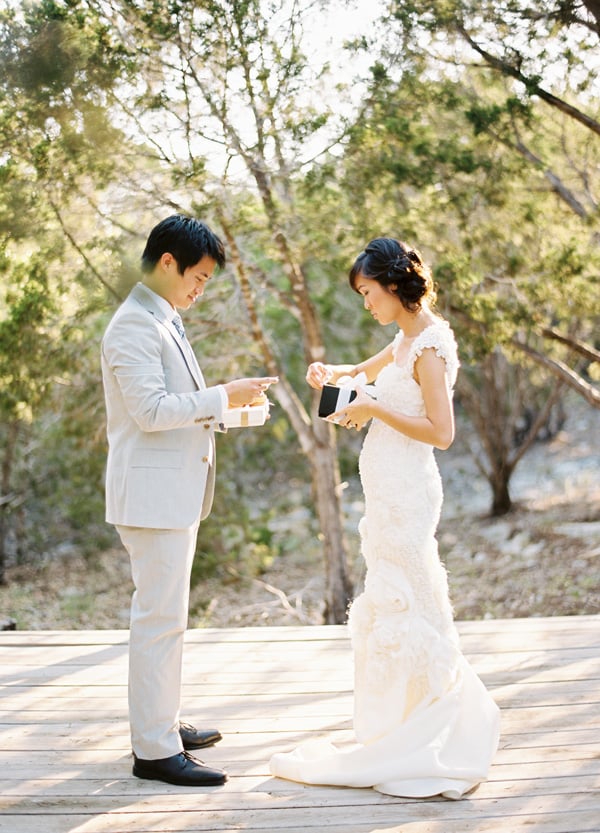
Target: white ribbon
343, 397
348, 383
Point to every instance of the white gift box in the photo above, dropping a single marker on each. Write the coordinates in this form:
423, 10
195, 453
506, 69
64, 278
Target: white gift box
247, 415
335, 397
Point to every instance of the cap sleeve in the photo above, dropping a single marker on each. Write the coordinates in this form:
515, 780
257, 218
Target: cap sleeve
441, 338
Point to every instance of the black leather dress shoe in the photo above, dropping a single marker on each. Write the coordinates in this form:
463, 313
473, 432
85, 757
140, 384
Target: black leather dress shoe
183, 770
193, 738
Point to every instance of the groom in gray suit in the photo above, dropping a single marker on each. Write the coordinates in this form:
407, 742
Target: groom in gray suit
161, 419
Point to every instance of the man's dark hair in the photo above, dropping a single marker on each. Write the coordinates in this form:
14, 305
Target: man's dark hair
186, 238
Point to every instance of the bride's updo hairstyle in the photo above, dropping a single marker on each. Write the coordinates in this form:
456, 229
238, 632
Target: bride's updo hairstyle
389, 261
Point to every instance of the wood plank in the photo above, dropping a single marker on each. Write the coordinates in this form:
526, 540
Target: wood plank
96, 685
335, 802
115, 736
253, 789
245, 747
330, 701
86, 816
117, 730
543, 693
521, 719
110, 765
252, 673
262, 659
540, 823
581, 625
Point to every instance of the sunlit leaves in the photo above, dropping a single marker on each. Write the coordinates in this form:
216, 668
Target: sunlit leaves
28, 339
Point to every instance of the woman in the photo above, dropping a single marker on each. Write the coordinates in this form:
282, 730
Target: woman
424, 722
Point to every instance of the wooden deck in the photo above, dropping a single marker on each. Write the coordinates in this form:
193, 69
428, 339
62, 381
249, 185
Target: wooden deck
64, 739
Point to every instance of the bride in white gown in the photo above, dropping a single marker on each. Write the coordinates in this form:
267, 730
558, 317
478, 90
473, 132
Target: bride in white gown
424, 723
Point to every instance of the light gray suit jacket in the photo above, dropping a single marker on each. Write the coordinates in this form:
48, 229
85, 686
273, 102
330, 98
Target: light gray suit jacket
161, 419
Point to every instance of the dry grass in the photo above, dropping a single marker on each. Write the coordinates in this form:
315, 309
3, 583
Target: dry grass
540, 560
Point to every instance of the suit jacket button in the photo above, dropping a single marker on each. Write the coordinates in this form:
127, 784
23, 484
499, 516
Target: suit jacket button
205, 459
207, 426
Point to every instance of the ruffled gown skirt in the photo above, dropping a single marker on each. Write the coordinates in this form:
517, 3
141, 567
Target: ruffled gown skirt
439, 749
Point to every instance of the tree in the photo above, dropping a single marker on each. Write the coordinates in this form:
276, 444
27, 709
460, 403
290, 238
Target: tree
512, 262
508, 408
147, 106
575, 27
222, 75
28, 351
51, 129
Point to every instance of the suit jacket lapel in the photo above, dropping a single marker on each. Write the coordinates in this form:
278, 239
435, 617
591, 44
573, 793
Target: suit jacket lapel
145, 299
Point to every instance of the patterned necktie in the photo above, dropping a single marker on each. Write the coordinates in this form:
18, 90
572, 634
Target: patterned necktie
178, 324
187, 349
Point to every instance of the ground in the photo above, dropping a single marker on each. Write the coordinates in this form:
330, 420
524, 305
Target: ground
542, 559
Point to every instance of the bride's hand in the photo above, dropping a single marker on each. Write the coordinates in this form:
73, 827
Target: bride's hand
318, 374
357, 413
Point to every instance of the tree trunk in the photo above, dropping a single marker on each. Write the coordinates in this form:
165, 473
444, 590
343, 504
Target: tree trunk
3, 514
501, 501
12, 433
326, 489
316, 437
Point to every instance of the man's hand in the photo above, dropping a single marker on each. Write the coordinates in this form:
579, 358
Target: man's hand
242, 392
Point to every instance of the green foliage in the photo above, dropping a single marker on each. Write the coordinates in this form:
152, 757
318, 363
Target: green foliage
261, 478
498, 115
30, 343
501, 262
56, 64
58, 469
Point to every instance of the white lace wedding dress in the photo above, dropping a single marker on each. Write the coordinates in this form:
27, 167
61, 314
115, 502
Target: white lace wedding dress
424, 723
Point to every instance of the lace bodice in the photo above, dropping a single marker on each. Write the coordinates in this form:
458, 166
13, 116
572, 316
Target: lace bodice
396, 385
438, 336
397, 388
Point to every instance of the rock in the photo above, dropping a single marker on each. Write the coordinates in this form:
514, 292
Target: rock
7, 624
585, 530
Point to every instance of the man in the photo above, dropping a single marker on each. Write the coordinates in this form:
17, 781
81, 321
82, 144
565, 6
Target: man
160, 477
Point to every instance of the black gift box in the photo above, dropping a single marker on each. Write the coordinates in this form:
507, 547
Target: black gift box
330, 396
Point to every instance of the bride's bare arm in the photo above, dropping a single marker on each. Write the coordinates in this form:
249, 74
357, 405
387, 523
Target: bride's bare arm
319, 374
435, 428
